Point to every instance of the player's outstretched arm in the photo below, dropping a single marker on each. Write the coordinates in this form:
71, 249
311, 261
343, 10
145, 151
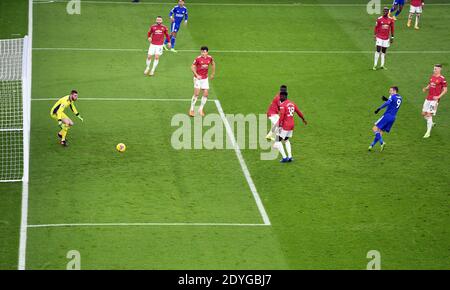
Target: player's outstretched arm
300, 114
75, 111
426, 88
383, 106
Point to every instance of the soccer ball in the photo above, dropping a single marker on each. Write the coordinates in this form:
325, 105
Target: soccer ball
121, 147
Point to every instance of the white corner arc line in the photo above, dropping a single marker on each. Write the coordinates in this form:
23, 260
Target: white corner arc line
244, 168
144, 224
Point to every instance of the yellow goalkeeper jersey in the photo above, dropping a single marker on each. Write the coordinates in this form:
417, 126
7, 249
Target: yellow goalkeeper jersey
59, 107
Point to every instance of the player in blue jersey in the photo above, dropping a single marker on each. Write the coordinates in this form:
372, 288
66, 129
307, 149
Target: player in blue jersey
397, 5
177, 14
384, 124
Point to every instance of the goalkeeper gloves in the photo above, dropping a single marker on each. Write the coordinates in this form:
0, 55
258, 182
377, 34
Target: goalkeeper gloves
60, 124
384, 98
81, 118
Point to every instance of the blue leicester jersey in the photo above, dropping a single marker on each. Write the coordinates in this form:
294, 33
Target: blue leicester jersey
178, 14
393, 105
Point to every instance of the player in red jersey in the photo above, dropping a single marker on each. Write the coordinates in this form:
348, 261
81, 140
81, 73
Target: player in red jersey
384, 36
416, 8
437, 87
200, 69
272, 114
286, 124
155, 36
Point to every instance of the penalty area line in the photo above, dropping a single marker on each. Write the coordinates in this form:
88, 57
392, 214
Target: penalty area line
245, 51
144, 225
244, 167
121, 99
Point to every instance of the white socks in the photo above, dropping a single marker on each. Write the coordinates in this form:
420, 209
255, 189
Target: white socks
288, 148
417, 20
274, 128
382, 59
155, 64
193, 101
429, 124
377, 55
148, 63
202, 104
280, 148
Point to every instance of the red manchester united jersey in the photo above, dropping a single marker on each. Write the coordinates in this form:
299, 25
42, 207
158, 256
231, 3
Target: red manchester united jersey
274, 106
157, 33
417, 3
437, 84
202, 65
287, 110
384, 27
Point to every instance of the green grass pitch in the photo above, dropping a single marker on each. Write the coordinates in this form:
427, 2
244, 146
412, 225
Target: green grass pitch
329, 208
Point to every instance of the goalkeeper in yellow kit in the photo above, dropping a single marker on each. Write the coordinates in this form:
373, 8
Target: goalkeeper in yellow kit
64, 122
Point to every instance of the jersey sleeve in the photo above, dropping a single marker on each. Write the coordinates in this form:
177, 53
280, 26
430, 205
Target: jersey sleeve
299, 113
166, 33
186, 15
149, 33
444, 82
392, 28
74, 109
172, 12
386, 103
376, 28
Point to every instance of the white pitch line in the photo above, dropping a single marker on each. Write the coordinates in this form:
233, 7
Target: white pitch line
245, 51
117, 99
229, 4
244, 168
145, 224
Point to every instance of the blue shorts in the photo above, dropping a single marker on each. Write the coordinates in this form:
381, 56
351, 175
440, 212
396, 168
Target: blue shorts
385, 123
399, 2
174, 27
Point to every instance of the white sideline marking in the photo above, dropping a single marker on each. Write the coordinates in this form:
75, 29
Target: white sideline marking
228, 4
145, 224
246, 51
116, 99
247, 175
